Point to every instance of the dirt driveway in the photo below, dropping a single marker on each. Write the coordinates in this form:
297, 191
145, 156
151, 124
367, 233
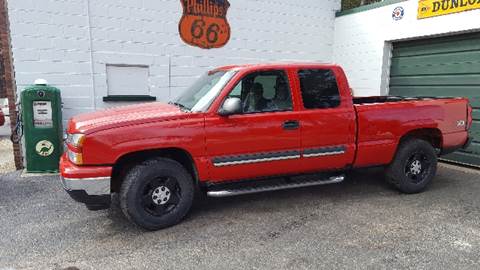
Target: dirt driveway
7, 163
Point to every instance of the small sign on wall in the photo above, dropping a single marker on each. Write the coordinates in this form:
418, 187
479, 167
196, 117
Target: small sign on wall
398, 13
204, 23
433, 8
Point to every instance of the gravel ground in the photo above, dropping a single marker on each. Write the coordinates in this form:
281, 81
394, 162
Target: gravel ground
7, 163
358, 224
5, 129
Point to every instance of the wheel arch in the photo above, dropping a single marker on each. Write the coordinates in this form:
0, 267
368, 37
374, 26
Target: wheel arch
129, 160
431, 135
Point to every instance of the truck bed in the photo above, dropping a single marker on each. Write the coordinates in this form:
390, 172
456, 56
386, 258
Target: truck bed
382, 121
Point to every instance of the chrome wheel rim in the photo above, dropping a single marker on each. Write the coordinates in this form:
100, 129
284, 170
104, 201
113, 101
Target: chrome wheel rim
161, 196
417, 167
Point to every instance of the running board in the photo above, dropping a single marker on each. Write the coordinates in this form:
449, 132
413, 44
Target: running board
252, 189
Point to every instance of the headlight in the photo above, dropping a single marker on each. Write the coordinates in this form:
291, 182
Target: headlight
75, 140
74, 157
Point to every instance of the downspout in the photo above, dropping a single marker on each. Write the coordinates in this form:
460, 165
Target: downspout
92, 67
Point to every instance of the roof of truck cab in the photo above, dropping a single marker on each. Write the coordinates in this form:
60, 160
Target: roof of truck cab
276, 65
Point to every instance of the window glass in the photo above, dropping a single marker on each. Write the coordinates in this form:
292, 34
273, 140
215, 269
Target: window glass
199, 96
266, 91
269, 84
319, 88
237, 91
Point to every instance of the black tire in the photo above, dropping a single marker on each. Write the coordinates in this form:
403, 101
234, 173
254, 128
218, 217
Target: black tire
413, 167
157, 193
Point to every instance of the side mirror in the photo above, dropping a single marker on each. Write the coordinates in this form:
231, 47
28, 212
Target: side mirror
231, 106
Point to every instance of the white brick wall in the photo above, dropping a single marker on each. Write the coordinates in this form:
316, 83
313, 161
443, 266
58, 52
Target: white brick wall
363, 41
50, 41
70, 42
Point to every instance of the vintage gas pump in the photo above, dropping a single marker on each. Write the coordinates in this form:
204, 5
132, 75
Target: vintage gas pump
41, 108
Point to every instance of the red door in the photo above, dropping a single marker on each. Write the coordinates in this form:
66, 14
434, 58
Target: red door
327, 120
264, 140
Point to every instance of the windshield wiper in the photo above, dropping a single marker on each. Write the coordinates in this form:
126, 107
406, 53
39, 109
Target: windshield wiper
180, 105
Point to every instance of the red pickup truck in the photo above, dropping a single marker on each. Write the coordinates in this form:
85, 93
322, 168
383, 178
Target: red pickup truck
253, 128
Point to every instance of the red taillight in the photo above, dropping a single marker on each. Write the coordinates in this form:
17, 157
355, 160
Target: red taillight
469, 116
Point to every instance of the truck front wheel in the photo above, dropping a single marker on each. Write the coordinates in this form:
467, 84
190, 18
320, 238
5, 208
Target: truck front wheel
157, 193
414, 166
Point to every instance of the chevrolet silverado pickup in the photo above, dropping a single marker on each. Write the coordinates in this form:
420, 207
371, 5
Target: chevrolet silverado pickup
254, 128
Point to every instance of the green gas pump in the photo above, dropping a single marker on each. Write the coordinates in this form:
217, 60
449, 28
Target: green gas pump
41, 107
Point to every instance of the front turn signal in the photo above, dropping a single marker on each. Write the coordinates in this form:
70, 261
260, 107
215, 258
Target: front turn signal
74, 157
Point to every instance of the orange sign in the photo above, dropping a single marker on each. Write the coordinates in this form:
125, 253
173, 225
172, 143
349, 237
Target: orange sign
204, 23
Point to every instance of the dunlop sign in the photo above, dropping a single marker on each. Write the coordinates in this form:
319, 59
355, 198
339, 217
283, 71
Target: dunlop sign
433, 8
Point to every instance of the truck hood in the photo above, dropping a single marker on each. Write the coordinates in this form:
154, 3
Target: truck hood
122, 116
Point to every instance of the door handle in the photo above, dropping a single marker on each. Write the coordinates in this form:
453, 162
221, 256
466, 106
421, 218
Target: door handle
291, 125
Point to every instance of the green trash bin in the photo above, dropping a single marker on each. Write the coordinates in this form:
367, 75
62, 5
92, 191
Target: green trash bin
42, 127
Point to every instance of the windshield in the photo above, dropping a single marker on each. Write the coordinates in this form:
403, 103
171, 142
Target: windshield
199, 96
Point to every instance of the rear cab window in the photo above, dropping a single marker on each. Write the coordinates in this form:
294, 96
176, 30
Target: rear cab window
319, 88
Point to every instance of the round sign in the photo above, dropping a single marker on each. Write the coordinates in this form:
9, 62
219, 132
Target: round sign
44, 148
398, 13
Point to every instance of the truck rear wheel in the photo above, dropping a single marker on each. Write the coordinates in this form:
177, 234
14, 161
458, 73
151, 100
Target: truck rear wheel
157, 193
414, 166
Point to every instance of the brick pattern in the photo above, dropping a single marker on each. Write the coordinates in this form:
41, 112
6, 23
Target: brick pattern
3, 90
70, 42
8, 76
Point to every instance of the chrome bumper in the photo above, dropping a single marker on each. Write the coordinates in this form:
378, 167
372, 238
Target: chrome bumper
91, 186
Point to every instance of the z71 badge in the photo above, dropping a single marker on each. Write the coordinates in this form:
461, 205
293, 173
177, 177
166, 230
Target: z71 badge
204, 23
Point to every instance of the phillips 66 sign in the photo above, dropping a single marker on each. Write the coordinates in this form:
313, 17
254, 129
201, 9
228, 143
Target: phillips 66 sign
204, 23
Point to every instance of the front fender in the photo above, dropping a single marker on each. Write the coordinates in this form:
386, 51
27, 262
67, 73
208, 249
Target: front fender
107, 146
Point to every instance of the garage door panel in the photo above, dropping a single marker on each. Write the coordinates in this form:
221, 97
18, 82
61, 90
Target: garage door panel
463, 158
475, 130
447, 58
442, 45
447, 66
473, 149
462, 63
476, 113
446, 91
437, 69
436, 80
438, 48
475, 102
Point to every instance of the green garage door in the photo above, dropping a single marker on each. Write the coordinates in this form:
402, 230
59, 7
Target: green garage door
446, 66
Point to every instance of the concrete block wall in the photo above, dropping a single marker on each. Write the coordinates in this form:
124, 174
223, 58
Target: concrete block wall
70, 42
363, 41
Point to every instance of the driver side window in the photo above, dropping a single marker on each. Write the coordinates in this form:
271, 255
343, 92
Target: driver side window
265, 91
